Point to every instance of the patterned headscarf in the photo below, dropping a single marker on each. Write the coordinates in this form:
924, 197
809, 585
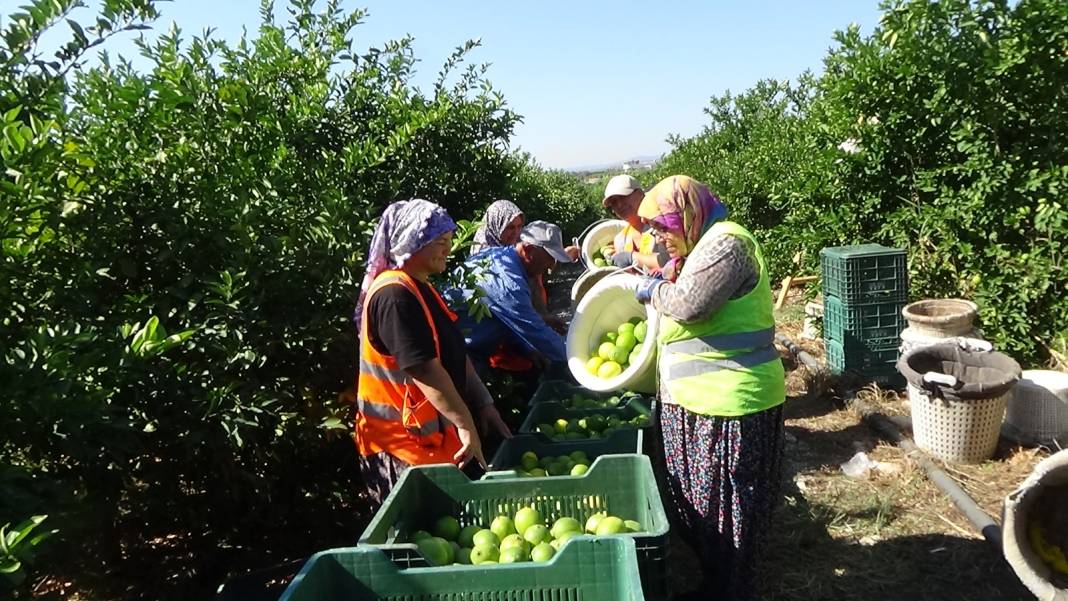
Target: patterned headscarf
405, 228
498, 216
683, 205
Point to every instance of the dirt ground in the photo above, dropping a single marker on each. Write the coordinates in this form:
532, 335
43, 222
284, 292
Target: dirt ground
893, 534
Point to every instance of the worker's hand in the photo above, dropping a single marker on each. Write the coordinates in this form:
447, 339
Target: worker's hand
573, 252
645, 289
671, 270
489, 420
470, 447
608, 251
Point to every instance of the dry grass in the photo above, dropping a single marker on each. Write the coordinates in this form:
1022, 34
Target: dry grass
891, 535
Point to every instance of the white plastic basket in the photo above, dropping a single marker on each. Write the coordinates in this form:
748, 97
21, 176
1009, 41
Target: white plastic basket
586, 281
608, 304
1038, 409
598, 236
963, 431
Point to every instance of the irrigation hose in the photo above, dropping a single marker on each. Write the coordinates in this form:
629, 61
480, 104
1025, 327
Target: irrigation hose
889, 429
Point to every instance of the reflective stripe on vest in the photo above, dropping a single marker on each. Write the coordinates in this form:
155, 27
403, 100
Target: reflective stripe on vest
723, 342
726, 364
393, 414
696, 367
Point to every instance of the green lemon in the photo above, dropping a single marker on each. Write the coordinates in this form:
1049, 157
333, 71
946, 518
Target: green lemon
542, 552
514, 540
463, 556
484, 538
484, 554
599, 262
467, 535
632, 526
560, 425
537, 534
609, 337
419, 535
594, 364
594, 521
565, 524
579, 469
502, 526
626, 341
640, 331
529, 460
436, 550
447, 528
620, 354
513, 555
525, 518
610, 525
606, 350
610, 369
563, 538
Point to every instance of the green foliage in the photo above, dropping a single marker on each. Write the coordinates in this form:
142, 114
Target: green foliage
18, 547
942, 132
181, 254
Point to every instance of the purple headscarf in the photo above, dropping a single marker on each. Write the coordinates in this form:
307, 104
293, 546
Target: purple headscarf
498, 216
405, 228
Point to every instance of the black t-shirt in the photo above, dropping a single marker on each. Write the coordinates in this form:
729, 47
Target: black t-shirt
397, 327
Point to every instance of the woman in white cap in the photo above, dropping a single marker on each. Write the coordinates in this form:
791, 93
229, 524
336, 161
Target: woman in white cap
635, 243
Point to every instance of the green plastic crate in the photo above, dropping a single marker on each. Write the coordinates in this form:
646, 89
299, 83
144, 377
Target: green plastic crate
878, 364
865, 273
622, 485
551, 411
586, 569
511, 450
878, 324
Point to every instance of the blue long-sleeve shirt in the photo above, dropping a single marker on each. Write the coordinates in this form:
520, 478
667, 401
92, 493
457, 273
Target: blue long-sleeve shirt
513, 319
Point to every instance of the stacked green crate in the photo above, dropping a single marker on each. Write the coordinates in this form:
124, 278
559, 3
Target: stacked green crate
864, 287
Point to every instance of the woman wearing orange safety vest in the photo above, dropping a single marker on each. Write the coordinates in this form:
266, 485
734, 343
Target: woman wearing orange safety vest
417, 394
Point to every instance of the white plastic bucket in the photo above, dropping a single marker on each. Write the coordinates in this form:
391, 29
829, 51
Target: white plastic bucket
598, 236
1038, 409
607, 304
586, 281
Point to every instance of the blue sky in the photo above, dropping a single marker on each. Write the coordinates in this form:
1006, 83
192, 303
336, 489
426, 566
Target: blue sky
596, 82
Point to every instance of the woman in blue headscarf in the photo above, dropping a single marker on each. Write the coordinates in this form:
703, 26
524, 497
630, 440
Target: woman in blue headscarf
417, 392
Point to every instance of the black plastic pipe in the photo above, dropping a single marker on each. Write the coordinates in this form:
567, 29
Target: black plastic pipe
887, 427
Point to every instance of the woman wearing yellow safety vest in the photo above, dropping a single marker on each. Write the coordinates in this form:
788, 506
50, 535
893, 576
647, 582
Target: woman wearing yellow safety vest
722, 383
417, 393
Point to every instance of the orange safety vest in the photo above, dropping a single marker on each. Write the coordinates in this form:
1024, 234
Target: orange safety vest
392, 414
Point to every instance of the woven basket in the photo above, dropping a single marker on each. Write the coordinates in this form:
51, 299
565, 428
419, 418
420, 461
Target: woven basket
963, 431
957, 396
1038, 409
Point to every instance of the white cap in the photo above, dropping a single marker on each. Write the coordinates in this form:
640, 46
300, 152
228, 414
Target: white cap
620, 185
548, 236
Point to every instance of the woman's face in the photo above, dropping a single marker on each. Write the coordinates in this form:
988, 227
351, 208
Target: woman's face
673, 241
510, 234
433, 257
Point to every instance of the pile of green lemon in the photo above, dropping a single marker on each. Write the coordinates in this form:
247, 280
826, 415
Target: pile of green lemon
617, 349
510, 539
